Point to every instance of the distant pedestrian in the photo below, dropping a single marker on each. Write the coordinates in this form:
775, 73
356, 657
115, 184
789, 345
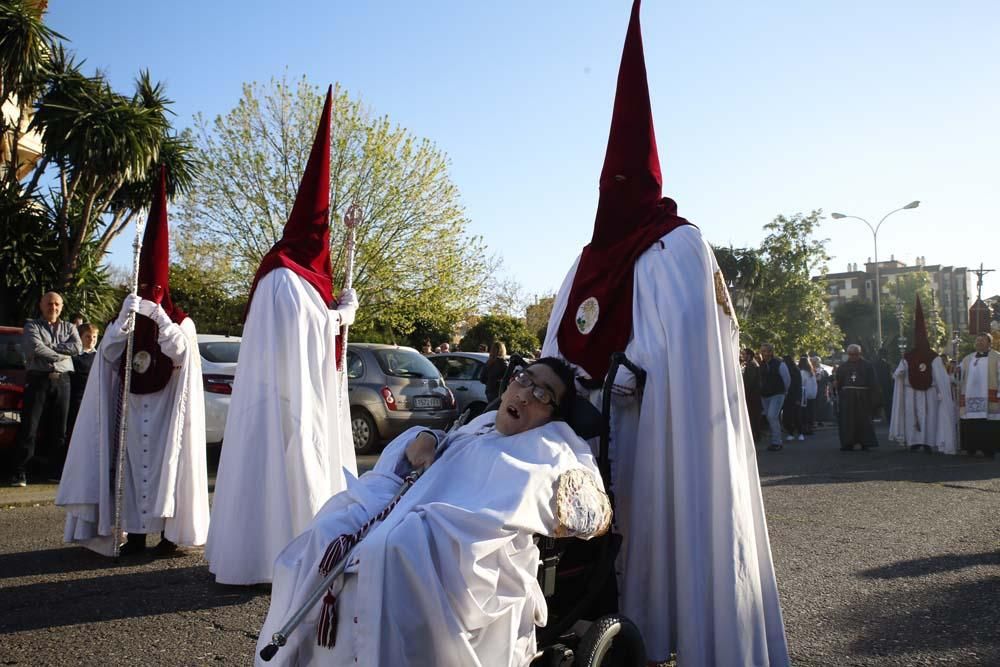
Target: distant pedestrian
979, 399
81, 371
859, 397
493, 371
426, 348
445, 347
483, 347
774, 383
791, 410
49, 345
824, 395
810, 388
751, 389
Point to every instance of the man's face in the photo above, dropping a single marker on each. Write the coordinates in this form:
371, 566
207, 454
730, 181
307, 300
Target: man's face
982, 344
88, 339
51, 306
766, 353
853, 355
520, 410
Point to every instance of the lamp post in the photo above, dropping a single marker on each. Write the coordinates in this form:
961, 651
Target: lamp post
878, 286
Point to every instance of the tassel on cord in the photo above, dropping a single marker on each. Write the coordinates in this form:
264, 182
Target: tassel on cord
326, 630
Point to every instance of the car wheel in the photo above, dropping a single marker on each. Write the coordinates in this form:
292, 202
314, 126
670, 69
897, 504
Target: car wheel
364, 432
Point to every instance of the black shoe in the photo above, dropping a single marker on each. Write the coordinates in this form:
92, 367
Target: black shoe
134, 545
165, 549
18, 479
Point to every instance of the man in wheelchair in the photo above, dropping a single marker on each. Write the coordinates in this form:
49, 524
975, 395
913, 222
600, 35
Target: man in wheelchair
448, 576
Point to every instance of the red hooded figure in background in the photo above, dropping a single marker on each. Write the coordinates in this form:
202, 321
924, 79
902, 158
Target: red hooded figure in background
288, 443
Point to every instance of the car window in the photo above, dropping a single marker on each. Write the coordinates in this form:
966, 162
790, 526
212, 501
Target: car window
355, 366
11, 357
460, 368
405, 363
220, 352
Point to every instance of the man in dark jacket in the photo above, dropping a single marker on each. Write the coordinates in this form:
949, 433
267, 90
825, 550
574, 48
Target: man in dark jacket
774, 383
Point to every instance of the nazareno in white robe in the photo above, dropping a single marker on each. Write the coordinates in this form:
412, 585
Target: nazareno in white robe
166, 477
924, 417
287, 444
450, 576
695, 570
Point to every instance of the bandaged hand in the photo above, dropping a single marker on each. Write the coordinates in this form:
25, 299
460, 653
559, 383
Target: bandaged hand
153, 311
347, 306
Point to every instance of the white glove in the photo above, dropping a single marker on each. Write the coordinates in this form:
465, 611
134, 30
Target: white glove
129, 305
348, 306
153, 311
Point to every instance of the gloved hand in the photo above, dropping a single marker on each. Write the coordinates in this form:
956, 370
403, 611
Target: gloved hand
153, 311
129, 305
348, 306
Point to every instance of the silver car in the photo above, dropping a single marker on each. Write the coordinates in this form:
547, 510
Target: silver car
461, 371
218, 370
391, 389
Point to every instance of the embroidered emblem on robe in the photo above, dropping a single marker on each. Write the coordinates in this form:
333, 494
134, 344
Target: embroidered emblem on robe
586, 315
722, 294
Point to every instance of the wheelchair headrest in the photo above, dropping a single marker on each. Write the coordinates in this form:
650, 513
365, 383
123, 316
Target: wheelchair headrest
585, 419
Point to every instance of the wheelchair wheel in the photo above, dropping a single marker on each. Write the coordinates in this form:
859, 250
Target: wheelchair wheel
611, 640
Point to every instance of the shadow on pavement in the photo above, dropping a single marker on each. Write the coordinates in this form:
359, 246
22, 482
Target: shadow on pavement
51, 561
959, 617
932, 565
136, 594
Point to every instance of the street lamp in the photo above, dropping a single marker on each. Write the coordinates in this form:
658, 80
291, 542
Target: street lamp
878, 286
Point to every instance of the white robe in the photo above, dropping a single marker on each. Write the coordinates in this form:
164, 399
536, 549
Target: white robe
924, 417
288, 440
450, 576
166, 478
696, 574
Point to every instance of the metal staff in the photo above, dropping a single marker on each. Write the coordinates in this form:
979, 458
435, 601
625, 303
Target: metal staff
351, 220
280, 638
126, 386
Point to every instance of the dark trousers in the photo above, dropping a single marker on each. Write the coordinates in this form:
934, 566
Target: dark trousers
979, 435
44, 396
791, 418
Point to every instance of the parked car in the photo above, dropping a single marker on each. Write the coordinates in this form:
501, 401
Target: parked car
218, 370
12, 375
391, 389
461, 372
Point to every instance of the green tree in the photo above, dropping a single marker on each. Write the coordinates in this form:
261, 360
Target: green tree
415, 261
99, 161
509, 330
781, 304
742, 269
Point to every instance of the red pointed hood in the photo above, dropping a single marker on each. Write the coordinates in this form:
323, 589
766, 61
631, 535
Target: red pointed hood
304, 246
920, 358
154, 257
631, 217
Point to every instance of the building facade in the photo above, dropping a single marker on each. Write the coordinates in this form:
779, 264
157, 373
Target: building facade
952, 287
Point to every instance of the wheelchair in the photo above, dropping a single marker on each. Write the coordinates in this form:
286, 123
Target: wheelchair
577, 576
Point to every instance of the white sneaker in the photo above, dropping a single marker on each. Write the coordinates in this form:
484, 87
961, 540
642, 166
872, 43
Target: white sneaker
801, 437
790, 438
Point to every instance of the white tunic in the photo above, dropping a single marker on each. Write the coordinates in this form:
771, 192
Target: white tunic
166, 478
288, 440
450, 576
695, 568
923, 417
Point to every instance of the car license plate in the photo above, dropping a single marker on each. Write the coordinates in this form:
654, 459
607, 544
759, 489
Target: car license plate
10, 417
427, 402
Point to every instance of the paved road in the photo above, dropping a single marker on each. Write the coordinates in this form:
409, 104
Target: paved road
883, 558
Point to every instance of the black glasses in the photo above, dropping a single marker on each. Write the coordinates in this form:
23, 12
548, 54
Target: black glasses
540, 394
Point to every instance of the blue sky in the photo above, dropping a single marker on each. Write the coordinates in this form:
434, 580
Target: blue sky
760, 108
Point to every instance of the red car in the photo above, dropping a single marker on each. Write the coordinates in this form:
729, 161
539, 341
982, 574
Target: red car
12, 375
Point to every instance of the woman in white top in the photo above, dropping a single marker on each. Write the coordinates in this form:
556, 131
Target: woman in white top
809, 387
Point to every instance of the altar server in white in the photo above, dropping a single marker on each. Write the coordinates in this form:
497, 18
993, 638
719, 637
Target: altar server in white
695, 568
923, 412
287, 445
165, 479
449, 576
